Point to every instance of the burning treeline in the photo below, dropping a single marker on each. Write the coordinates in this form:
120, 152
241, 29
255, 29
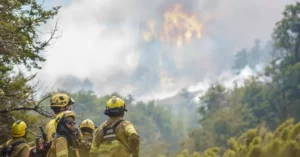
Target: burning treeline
178, 27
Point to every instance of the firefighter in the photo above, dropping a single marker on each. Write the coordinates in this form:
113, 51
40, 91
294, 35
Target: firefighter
17, 146
59, 102
116, 137
64, 143
87, 128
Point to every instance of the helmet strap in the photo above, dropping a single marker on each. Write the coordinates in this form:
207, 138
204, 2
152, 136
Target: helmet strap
63, 108
86, 129
114, 112
25, 136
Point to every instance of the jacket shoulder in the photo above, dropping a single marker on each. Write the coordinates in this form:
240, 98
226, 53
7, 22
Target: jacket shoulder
50, 122
59, 139
23, 145
126, 122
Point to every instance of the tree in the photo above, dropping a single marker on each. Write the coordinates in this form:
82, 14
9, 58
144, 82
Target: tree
287, 31
241, 60
212, 100
285, 70
20, 45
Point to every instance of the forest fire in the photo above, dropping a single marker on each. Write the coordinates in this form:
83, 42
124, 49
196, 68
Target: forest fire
178, 27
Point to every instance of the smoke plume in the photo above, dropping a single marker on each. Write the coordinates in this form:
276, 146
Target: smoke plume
145, 48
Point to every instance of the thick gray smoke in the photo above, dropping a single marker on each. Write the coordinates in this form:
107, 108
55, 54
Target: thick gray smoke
102, 42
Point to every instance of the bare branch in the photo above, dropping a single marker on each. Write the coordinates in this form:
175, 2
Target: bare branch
33, 133
36, 109
43, 100
52, 36
42, 3
47, 87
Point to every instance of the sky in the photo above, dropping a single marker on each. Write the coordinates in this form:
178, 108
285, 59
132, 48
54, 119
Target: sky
102, 41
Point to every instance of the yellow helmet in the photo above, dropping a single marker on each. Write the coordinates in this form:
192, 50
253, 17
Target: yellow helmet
87, 124
61, 100
64, 115
115, 102
19, 129
115, 107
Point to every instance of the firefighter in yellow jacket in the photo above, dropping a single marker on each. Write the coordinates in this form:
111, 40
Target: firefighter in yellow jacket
87, 128
64, 144
115, 137
17, 146
59, 102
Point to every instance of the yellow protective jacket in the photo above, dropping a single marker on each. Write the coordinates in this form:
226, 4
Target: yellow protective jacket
85, 144
86, 136
126, 144
50, 129
20, 150
59, 148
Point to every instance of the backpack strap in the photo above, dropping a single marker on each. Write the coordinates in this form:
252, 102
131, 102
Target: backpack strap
9, 149
117, 124
5, 145
16, 143
47, 145
3, 150
109, 133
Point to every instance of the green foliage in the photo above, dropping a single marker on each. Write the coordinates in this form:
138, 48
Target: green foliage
259, 142
255, 144
256, 55
218, 127
213, 99
285, 70
211, 152
20, 45
223, 116
269, 99
282, 36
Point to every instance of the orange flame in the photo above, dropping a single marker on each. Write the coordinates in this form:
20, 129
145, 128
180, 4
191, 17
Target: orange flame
178, 27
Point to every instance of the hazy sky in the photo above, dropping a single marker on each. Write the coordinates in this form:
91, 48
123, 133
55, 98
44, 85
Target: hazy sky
102, 41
